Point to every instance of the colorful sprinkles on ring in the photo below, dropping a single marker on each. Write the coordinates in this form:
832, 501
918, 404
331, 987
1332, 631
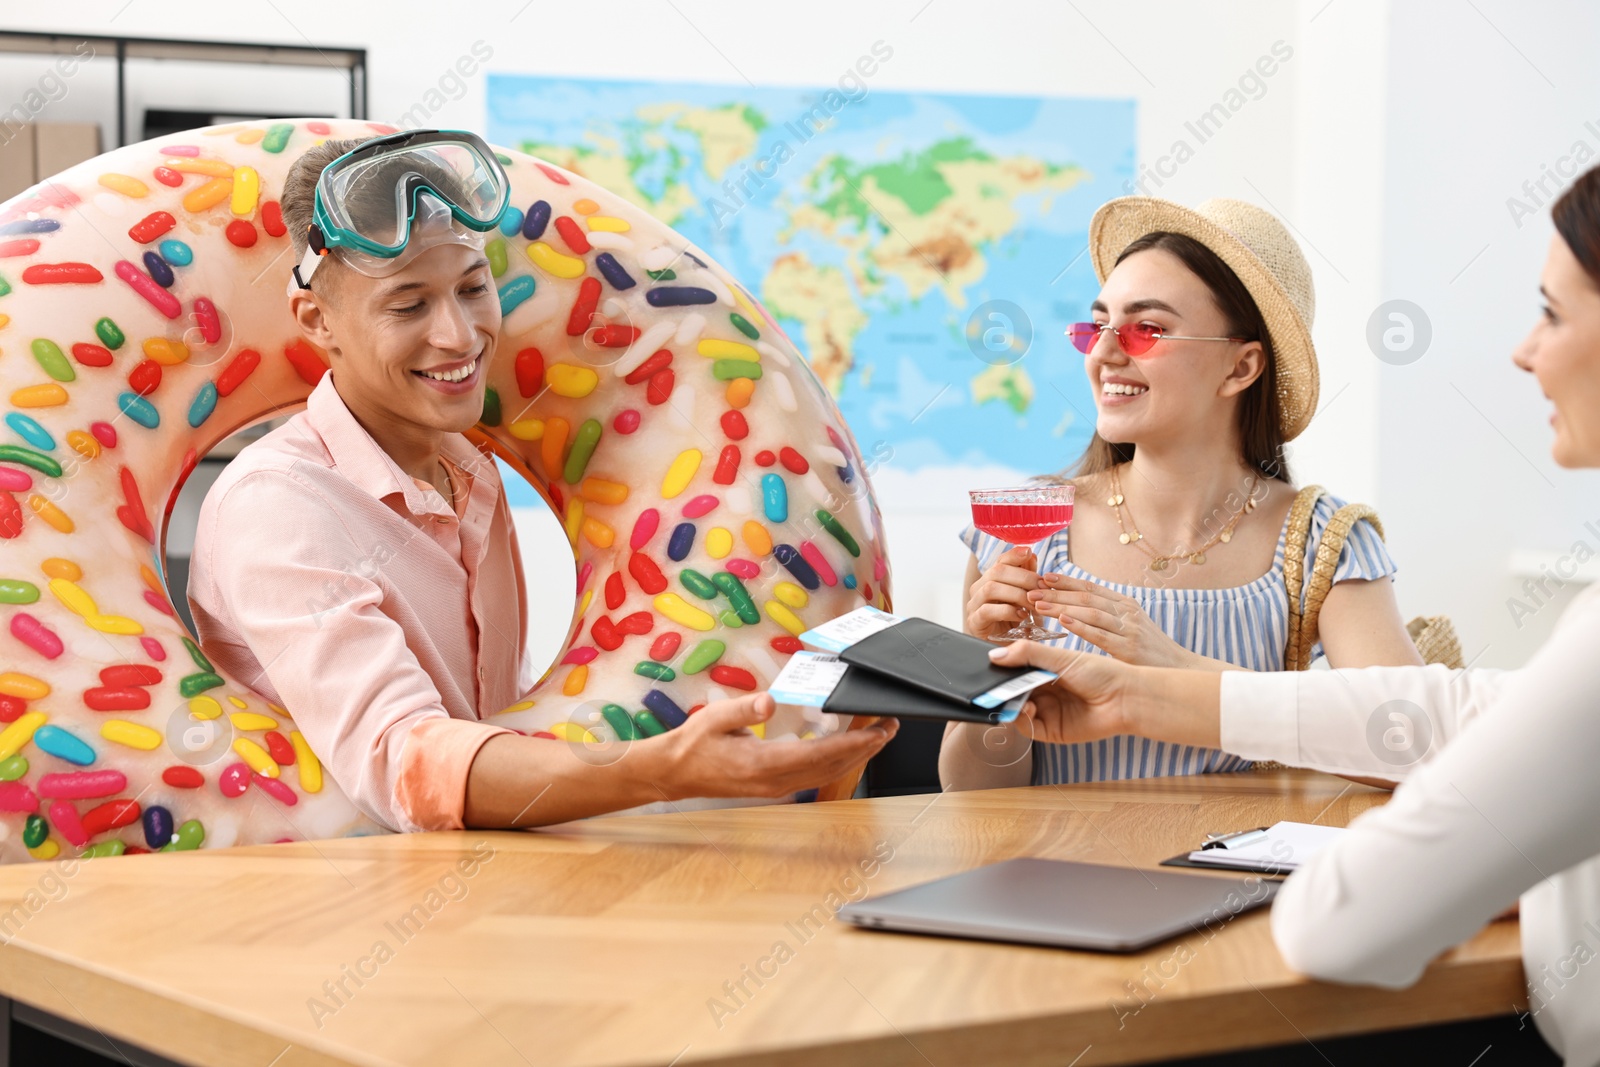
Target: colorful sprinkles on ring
713, 500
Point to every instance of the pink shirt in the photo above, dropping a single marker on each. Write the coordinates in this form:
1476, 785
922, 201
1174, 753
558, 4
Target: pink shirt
386, 621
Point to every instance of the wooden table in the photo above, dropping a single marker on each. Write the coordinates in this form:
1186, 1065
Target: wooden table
626, 941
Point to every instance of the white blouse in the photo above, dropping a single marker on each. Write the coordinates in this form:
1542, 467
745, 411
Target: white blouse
1499, 796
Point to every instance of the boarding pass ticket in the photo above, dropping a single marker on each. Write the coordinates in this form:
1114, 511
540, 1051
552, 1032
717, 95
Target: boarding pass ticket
838, 634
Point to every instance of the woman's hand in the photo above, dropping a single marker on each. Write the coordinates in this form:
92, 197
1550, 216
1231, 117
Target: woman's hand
1108, 620
1096, 696
998, 598
1086, 703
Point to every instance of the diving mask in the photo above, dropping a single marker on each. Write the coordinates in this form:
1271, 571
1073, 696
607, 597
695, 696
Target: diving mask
385, 202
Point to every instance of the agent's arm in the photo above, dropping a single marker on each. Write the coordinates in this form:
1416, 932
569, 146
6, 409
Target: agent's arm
1497, 785
1360, 626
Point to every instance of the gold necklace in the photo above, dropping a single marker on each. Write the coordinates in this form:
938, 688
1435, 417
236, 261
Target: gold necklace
1130, 534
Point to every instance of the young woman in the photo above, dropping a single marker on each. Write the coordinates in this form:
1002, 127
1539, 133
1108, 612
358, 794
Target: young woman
1500, 802
1201, 357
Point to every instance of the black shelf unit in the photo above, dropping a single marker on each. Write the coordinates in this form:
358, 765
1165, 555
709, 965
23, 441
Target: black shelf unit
353, 61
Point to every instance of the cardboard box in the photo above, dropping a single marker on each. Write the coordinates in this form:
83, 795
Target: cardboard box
16, 158
59, 145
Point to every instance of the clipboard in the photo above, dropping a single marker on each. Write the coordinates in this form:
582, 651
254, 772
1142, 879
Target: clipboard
1274, 851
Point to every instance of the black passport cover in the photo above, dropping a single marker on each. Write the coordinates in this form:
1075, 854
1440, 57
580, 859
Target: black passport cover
861, 692
933, 658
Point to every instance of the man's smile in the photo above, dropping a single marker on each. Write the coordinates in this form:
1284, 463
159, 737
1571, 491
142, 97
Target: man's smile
458, 377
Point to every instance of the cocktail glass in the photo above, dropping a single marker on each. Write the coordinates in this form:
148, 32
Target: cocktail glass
1023, 516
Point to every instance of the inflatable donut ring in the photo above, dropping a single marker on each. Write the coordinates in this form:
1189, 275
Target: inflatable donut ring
715, 501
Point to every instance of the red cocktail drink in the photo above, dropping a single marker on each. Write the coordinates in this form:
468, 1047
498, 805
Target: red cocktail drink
1021, 524
1023, 516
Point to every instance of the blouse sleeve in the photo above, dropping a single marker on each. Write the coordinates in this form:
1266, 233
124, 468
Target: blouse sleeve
1501, 795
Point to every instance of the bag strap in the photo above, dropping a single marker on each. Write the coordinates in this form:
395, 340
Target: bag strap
1303, 621
1294, 555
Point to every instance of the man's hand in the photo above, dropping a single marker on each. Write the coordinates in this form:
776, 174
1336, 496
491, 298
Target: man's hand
714, 754
1084, 704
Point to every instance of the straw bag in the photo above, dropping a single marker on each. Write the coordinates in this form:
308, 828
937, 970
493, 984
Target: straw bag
1434, 635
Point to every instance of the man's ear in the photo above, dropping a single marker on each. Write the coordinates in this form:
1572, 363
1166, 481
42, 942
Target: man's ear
1250, 362
310, 311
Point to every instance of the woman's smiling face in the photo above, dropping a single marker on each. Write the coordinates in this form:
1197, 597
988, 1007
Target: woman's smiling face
1563, 352
1178, 388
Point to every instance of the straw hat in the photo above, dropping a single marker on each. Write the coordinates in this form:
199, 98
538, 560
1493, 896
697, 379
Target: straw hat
1261, 252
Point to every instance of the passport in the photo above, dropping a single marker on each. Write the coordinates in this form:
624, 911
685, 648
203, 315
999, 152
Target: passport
888, 661
823, 680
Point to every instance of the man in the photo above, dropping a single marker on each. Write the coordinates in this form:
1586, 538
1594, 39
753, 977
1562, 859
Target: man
358, 565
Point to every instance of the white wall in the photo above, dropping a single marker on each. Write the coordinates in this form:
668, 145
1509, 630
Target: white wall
1389, 142
1467, 125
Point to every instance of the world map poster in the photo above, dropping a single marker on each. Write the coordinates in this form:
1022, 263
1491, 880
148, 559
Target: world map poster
925, 251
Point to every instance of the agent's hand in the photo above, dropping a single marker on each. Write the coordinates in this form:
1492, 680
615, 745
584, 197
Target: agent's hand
1108, 620
999, 597
714, 754
1084, 704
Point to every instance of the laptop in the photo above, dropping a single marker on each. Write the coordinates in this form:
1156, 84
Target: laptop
1064, 904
